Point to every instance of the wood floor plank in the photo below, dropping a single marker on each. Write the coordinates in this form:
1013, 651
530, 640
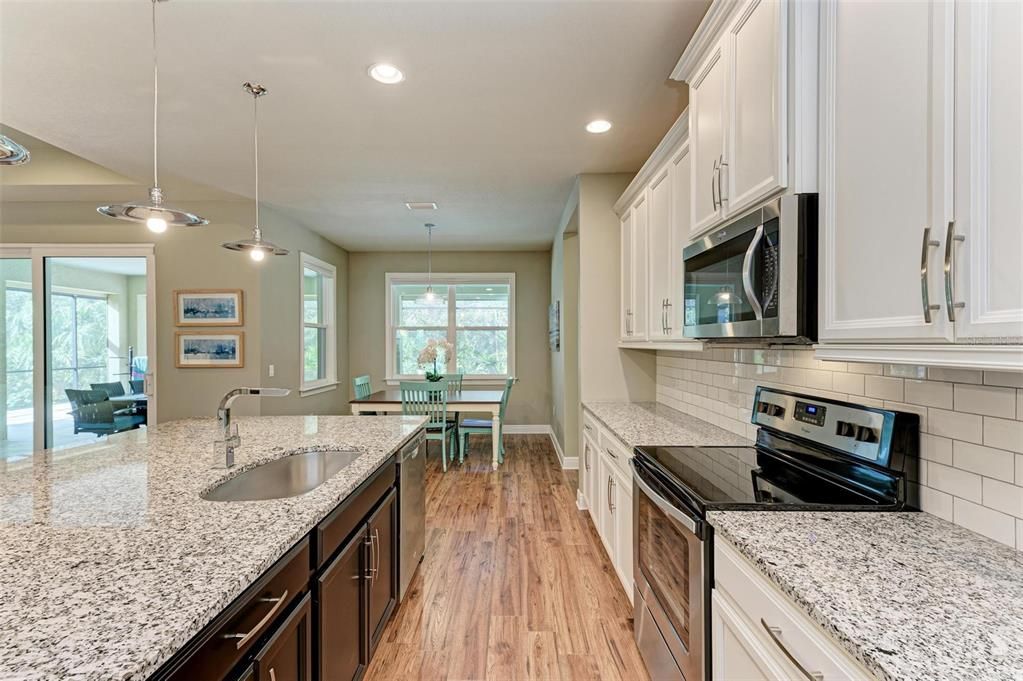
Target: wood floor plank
514, 585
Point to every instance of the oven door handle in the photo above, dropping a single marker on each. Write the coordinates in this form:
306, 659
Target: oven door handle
747, 274
663, 504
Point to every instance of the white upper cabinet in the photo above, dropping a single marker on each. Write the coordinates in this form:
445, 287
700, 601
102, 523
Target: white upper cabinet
661, 260
625, 308
986, 264
886, 168
680, 176
707, 108
634, 271
755, 164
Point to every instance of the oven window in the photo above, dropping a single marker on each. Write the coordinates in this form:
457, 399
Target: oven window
664, 551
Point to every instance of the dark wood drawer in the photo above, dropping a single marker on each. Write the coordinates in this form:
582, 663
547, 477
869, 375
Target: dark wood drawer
235, 632
344, 520
288, 654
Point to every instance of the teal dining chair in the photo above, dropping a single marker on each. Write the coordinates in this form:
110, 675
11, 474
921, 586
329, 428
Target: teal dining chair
363, 387
430, 399
485, 426
454, 386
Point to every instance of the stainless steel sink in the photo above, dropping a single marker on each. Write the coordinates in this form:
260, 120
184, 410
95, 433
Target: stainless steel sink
288, 476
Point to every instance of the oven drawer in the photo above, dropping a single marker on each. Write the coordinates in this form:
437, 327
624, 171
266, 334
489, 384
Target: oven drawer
792, 639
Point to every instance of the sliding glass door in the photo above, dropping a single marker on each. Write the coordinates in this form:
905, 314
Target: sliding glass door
17, 393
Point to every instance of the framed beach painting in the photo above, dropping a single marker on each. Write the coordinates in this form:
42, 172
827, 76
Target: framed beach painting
205, 349
208, 307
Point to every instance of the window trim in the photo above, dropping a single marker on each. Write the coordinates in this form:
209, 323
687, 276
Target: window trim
310, 262
449, 279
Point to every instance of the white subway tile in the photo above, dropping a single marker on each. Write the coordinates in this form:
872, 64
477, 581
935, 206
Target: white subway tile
884, 388
954, 481
934, 448
935, 502
1003, 497
1019, 469
955, 375
819, 379
958, 426
929, 393
851, 384
1009, 379
994, 463
1019, 535
988, 400
1003, 433
1019, 406
905, 370
870, 402
865, 368
988, 522
828, 365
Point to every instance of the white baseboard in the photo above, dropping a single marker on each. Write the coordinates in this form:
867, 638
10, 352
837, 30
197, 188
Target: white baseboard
568, 463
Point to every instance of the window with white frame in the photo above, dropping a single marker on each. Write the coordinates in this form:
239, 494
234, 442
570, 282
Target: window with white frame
473, 312
319, 329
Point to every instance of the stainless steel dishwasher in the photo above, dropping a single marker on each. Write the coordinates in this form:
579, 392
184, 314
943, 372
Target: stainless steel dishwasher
412, 509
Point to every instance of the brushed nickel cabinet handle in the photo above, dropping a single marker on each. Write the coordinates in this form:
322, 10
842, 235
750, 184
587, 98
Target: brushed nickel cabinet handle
610, 453
243, 639
950, 240
609, 494
273, 676
721, 170
371, 559
925, 296
775, 634
714, 181
667, 316
376, 552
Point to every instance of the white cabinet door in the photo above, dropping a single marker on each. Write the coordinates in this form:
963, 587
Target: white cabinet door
707, 109
627, 274
660, 255
989, 174
755, 162
589, 476
886, 107
681, 172
737, 652
621, 511
606, 526
640, 213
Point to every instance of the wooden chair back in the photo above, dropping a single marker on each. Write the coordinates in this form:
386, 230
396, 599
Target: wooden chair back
426, 398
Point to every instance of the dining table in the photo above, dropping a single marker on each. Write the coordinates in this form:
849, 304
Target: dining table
130, 399
462, 401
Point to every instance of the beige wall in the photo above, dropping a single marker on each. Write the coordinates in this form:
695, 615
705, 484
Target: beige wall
565, 362
531, 400
193, 258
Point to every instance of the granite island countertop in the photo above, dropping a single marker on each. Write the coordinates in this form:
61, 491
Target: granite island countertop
911, 596
109, 559
651, 423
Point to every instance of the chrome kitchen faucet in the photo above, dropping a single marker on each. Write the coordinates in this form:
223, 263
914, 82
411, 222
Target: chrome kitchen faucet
229, 439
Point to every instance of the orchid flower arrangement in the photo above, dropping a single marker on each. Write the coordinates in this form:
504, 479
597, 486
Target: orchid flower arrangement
428, 355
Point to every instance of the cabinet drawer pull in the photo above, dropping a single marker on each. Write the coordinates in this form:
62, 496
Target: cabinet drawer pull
243, 639
925, 296
775, 634
950, 239
273, 676
610, 453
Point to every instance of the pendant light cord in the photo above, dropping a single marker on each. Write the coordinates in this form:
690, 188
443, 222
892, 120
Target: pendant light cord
156, 100
429, 257
255, 146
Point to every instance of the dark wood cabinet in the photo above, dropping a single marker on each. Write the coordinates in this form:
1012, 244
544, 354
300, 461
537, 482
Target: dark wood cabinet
382, 528
288, 654
341, 613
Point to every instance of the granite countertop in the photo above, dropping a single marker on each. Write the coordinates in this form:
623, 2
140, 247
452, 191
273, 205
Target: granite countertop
109, 560
651, 423
911, 596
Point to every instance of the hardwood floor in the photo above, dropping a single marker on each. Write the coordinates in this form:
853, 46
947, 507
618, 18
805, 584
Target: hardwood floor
515, 583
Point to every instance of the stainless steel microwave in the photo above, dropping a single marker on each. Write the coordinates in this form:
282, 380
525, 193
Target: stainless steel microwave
756, 277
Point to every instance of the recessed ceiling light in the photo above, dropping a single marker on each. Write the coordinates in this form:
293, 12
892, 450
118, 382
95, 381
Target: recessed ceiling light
389, 74
598, 126
421, 205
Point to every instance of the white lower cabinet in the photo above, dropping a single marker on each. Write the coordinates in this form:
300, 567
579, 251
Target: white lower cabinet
757, 633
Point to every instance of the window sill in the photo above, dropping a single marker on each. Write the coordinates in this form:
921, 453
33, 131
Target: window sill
318, 389
498, 381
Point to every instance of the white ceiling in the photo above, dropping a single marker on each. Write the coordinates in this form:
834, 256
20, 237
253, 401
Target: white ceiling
489, 123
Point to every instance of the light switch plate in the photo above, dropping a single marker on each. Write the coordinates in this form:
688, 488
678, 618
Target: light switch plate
270, 371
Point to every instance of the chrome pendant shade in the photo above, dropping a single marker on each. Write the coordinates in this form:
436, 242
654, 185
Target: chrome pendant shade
12, 153
257, 247
156, 216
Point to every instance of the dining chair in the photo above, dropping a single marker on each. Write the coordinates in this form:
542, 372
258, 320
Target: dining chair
430, 399
363, 387
137, 385
485, 426
454, 386
113, 389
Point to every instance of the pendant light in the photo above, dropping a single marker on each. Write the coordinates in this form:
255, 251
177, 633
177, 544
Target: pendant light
429, 296
257, 247
154, 214
12, 153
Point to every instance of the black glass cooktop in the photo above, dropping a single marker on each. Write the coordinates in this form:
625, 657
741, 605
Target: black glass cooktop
753, 477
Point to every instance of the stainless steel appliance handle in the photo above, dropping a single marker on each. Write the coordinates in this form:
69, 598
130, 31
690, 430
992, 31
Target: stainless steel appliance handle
714, 181
243, 639
775, 634
950, 299
925, 296
662, 504
747, 274
721, 169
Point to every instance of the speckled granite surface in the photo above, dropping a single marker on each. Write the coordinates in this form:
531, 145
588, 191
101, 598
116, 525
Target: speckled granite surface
650, 423
911, 596
110, 561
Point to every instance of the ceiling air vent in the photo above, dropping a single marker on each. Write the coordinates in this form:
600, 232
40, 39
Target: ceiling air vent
421, 205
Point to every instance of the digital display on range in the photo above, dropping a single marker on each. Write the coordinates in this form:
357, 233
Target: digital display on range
810, 413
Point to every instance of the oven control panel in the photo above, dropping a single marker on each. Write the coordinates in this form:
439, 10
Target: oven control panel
810, 413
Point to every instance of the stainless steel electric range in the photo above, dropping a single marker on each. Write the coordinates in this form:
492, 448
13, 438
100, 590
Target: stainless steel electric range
810, 454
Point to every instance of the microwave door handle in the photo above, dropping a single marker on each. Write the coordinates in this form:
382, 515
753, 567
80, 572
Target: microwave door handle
662, 504
747, 274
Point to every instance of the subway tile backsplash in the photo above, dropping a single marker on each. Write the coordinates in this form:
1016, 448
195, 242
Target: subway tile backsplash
971, 443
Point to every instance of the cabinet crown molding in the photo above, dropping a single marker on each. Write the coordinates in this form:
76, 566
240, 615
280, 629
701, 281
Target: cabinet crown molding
669, 144
707, 34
